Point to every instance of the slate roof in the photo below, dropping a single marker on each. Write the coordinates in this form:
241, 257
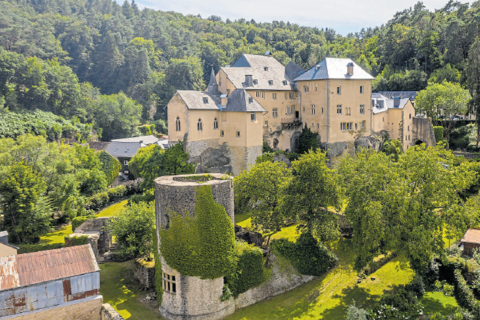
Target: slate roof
293, 70
146, 140
412, 95
30, 268
242, 101
334, 68
194, 99
123, 149
254, 65
383, 104
471, 236
98, 145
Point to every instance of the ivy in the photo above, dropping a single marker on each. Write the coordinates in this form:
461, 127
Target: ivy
158, 269
200, 246
307, 255
110, 166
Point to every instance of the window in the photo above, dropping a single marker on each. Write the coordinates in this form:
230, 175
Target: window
263, 95
361, 89
238, 134
339, 109
169, 283
199, 125
287, 111
228, 92
255, 81
284, 82
266, 123
177, 124
274, 96
222, 133
408, 128
315, 89
205, 100
275, 112
312, 109
220, 81
318, 125
270, 82
265, 68
322, 110
349, 126
215, 124
291, 94
409, 137
303, 109
312, 125
125, 162
362, 109
286, 96
224, 116
343, 126
410, 116
253, 116
363, 124
348, 111
355, 126
339, 90
305, 89
257, 94
383, 119
250, 100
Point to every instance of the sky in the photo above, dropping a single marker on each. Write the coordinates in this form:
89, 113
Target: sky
342, 15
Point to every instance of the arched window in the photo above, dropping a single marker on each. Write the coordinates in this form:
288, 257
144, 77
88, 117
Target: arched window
199, 125
312, 110
177, 124
215, 124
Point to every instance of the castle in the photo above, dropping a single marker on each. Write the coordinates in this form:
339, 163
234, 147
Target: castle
258, 99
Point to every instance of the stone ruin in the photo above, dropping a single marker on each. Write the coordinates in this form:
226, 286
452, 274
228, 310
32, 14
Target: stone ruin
98, 236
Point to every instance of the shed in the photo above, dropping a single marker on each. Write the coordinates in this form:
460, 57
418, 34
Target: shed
471, 240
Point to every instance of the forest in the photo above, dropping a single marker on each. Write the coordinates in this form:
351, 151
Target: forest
116, 66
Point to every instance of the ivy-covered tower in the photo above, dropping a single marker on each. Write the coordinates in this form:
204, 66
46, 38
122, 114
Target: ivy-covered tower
195, 217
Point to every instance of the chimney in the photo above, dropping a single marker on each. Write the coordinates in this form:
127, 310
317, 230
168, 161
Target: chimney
224, 100
248, 80
350, 69
396, 102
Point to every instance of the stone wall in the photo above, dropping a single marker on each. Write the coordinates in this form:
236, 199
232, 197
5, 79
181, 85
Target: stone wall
108, 313
97, 227
87, 309
214, 160
145, 273
196, 148
422, 132
93, 237
284, 278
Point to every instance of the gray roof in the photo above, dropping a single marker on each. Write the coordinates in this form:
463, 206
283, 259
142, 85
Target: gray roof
334, 68
254, 65
242, 101
293, 70
194, 99
3, 234
145, 139
383, 104
399, 94
123, 149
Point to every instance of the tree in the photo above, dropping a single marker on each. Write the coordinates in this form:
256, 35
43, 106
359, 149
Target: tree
26, 210
473, 81
258, 191
307, 140
404, 206
133, 229
308, 194
443, 99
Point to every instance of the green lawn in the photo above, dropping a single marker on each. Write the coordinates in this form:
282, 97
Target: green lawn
123, 293
438, 302
289, 233
113, 210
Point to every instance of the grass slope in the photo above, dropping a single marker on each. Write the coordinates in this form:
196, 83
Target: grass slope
438, 302
112, 210
123, 293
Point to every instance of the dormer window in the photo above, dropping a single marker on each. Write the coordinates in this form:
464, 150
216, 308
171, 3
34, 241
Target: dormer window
250, 100
265, 68
270, 82
205, 100
255, 81
284, 82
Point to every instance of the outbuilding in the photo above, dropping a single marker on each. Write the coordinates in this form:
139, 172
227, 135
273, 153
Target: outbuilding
470, 241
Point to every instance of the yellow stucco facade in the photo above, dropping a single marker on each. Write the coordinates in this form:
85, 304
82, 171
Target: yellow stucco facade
6, 250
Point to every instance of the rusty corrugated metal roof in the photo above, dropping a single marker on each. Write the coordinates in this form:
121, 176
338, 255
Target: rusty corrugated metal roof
472, 236
35, 267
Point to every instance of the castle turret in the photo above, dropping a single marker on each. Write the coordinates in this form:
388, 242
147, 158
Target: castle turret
212, 85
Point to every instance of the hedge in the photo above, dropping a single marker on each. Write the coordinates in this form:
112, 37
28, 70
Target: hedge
27, 248
465, 296
75, 241
110, 166
200, 246
438, 132
78, 221
307, 255
249, 272
100, 200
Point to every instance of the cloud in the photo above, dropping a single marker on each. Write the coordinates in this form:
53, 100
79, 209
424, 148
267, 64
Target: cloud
342, 15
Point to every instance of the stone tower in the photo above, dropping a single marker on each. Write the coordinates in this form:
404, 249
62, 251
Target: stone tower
188, 297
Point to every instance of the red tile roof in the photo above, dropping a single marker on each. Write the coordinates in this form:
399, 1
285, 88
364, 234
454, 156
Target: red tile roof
472, 236
35, 267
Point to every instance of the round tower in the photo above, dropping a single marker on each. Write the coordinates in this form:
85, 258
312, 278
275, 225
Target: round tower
184, 296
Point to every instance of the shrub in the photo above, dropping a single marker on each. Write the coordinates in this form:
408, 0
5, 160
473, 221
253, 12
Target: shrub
417, 286
465, 296
355, 313
401, 305
207, 239
117, 193
249, 272
147, 196
27, 248
438, 132
133, 186
78, 221
307, 140
307, 255
97, 201
75, 241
